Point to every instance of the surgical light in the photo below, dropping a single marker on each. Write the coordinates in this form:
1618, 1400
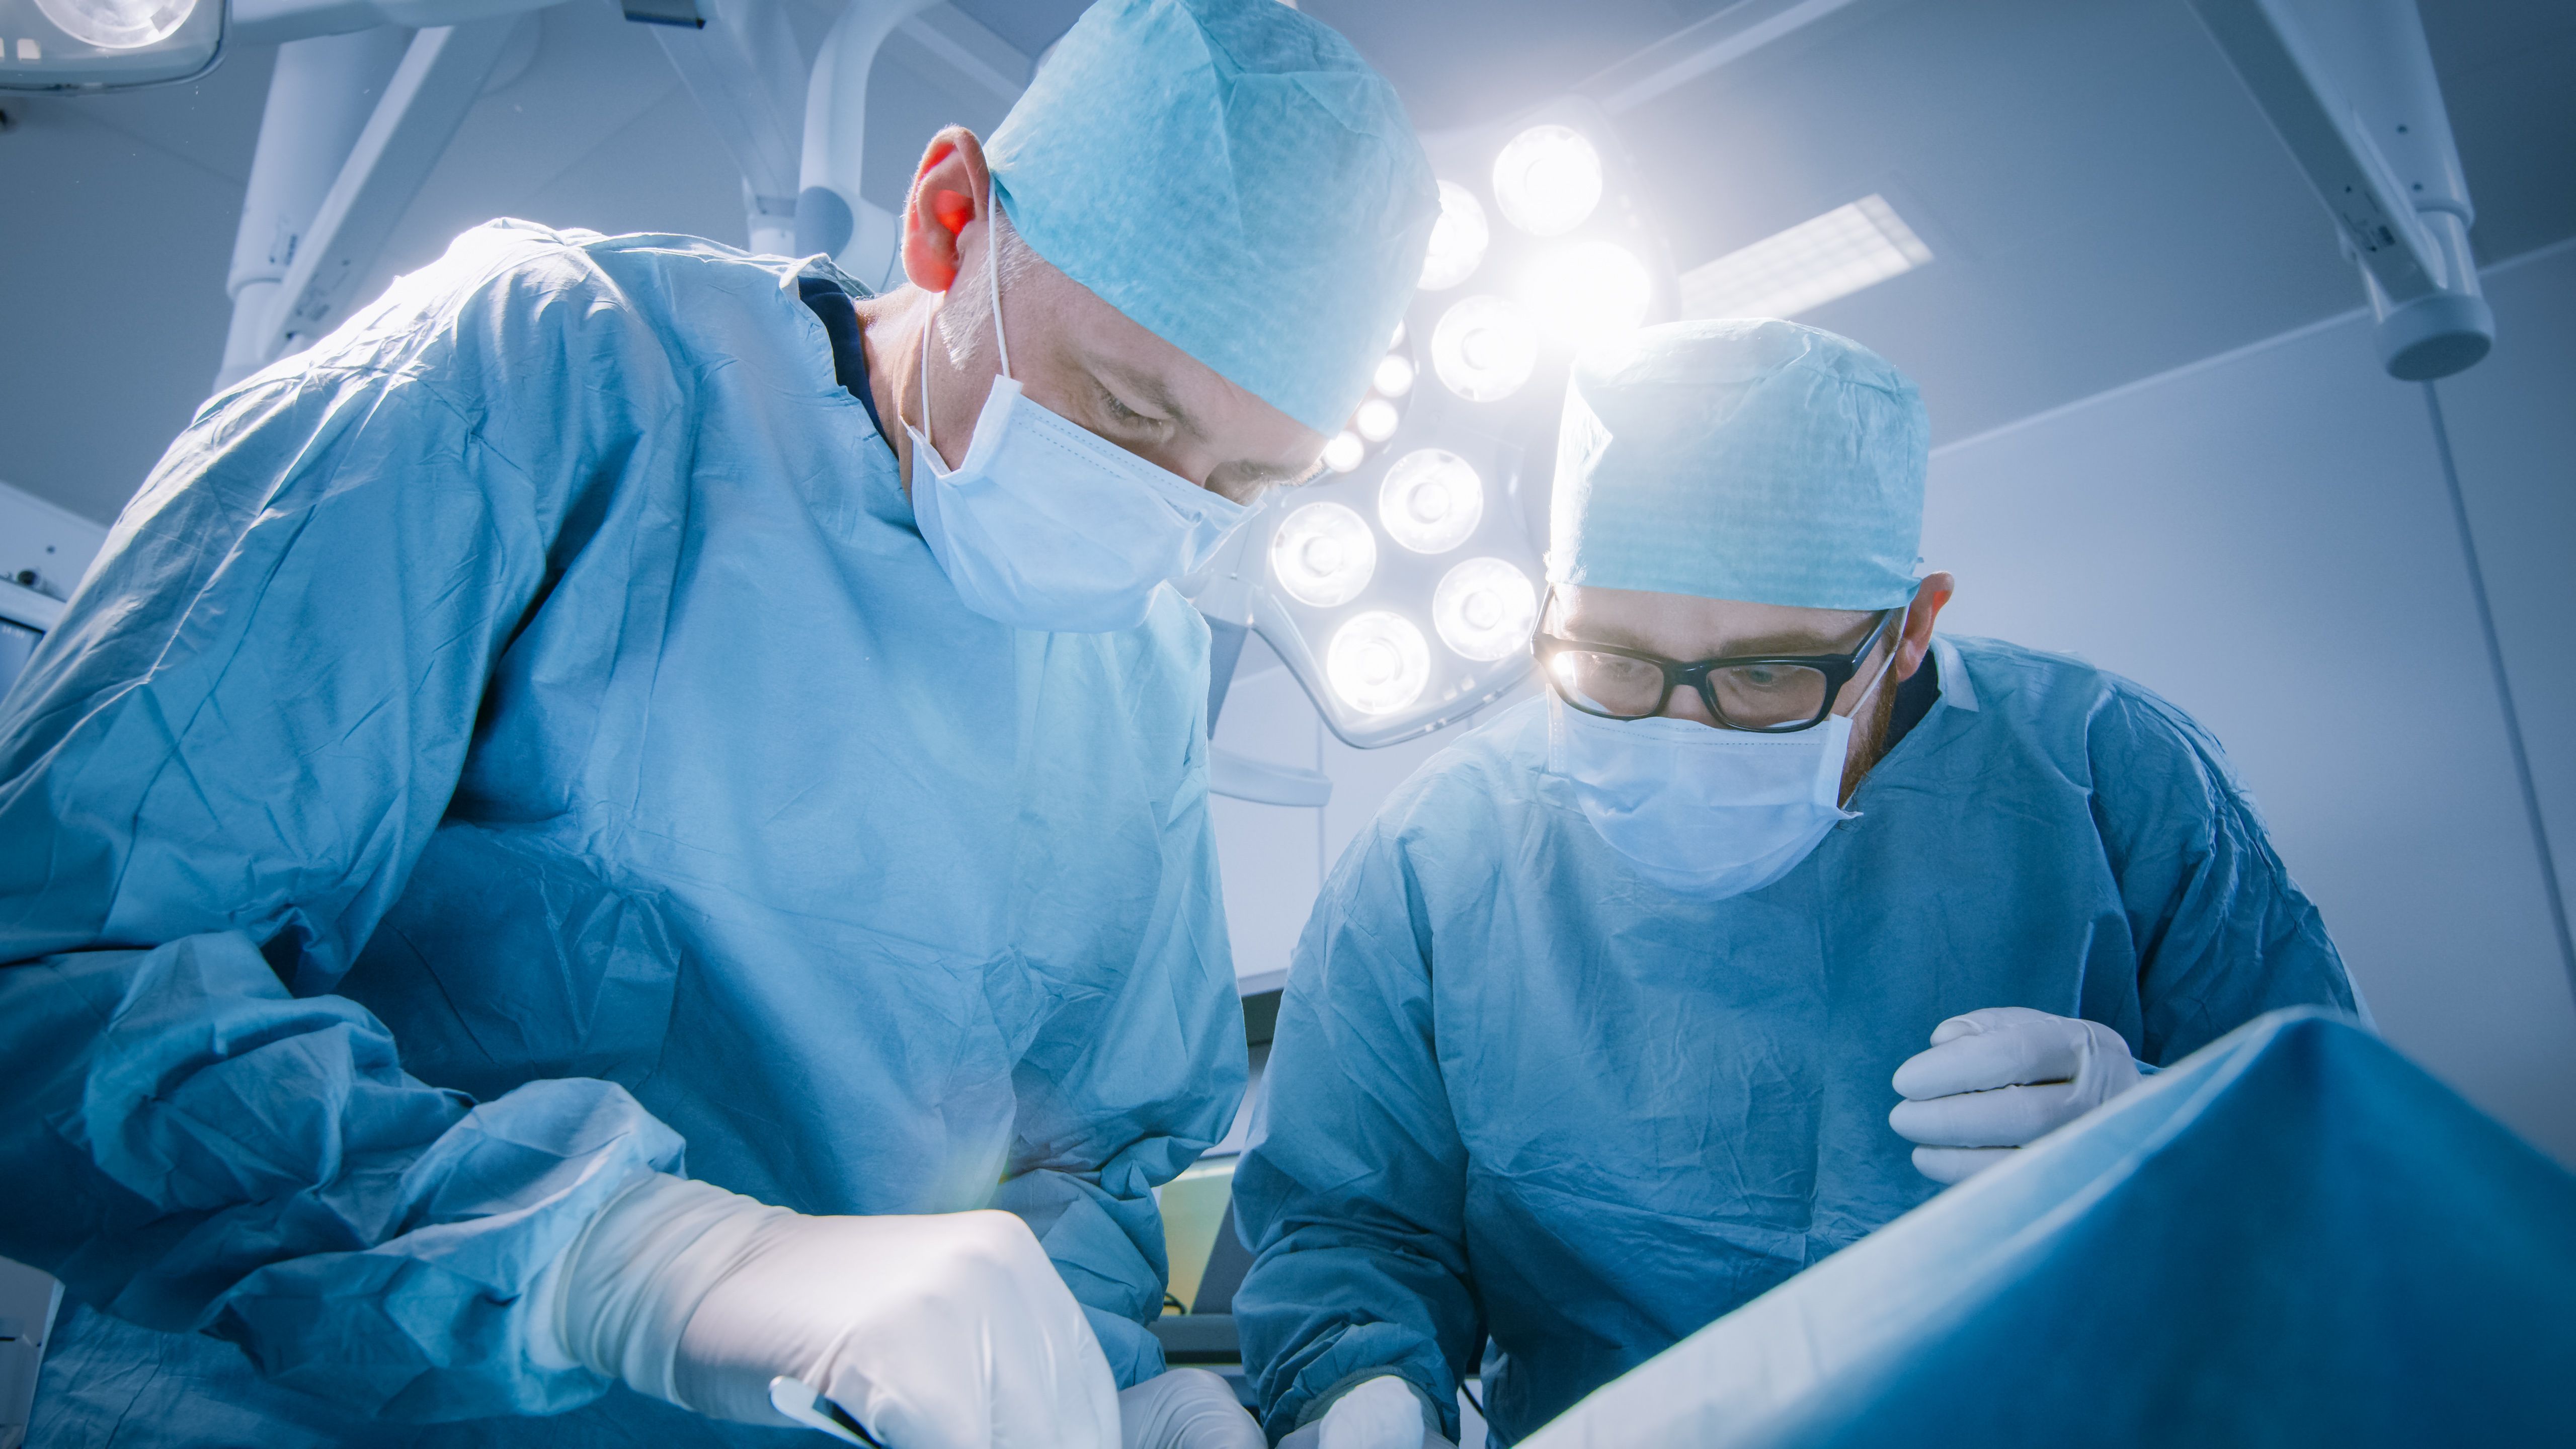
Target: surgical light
1458, 239
1547, 180
1588, 290
1431, 500
1485, 609
1484, 348
1344, 452
118, 24
1376, 420
1378, 662
1323, 554
1408, 607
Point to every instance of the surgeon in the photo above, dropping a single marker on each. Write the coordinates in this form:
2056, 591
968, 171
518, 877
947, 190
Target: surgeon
1591, 1036
626, 838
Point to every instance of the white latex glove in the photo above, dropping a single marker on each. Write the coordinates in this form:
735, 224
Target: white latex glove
1997, 1080
949, 1331
1385, 1412
1186, 1408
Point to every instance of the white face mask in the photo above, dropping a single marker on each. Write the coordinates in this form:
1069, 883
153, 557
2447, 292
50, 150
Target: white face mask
1707, 813
1046, 525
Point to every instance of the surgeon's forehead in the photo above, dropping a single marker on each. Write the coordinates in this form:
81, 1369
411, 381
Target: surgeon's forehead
1687, 626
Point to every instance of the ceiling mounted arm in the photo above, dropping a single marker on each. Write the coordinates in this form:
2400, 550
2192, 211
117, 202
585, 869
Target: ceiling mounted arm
831, 217
2349, 85
748, 77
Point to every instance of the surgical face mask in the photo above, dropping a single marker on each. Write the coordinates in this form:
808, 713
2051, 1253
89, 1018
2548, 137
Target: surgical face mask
1046, 525
1706, 813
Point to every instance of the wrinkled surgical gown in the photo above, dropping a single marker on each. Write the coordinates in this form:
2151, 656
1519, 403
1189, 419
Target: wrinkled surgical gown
1517, 1091
523, 744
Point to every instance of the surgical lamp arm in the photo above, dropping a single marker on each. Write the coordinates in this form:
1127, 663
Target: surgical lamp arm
831, 217
749, 78
2350, 88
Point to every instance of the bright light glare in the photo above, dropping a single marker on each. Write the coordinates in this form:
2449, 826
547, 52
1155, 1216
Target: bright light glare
1431, 500
118, 24
1378, 662
1588, 290
1484, 348
1394, 375
1547, 180
1810, 264
1323, 555
1484, 609
1344, 452
1375, 420
1458, 239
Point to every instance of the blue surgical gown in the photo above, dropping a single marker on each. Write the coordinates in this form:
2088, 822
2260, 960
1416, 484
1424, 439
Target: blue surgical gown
520, 739
1517, 1091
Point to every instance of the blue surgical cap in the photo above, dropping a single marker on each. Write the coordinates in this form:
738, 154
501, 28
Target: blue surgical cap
1754, 460
1231, 175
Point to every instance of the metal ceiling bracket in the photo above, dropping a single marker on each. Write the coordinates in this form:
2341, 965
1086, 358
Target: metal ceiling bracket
681, 13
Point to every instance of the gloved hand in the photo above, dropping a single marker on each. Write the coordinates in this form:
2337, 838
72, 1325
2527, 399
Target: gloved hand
1996, 1080
947, 1331
1386, 1412
1186, 1408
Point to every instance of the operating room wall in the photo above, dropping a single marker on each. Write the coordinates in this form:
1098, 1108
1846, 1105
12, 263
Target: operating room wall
2266, 539
2263, 537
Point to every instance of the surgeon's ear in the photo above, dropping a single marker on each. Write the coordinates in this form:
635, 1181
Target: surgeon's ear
948, 192
1929, 597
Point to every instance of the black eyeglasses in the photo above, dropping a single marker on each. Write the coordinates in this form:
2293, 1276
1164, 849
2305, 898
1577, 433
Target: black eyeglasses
1772, 694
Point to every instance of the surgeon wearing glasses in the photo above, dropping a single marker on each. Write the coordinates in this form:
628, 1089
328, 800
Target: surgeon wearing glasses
1617, 1014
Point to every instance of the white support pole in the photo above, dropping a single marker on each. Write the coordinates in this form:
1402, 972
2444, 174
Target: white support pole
440, 77
271, 22
319, 99
749, 78
831, 217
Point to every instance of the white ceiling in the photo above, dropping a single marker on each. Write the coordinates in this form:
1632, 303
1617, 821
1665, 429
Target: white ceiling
2102, 200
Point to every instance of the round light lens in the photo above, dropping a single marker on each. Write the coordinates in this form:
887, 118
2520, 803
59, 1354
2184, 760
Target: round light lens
1394, 375
1431, 500
1376, 420
1484, 348
1458, 239
118, 24
1378, 662
1588, 290
1323, 554
1547, 180
1485, 609
1344, 452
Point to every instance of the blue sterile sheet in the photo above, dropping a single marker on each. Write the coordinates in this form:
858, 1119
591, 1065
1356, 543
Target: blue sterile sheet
2296, 1237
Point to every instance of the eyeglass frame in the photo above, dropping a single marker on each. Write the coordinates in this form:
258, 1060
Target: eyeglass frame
1838, 669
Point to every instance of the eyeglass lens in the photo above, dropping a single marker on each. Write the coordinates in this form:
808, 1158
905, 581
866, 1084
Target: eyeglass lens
1749, 696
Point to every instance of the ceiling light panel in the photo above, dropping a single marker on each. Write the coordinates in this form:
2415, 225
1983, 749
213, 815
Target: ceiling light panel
1810, 264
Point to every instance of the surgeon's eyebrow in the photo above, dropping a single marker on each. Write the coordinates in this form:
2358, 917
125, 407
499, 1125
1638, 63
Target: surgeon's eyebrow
1270, 474
1794, 643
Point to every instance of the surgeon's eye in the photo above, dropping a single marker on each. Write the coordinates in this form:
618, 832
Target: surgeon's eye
1610, 684
1127, 419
